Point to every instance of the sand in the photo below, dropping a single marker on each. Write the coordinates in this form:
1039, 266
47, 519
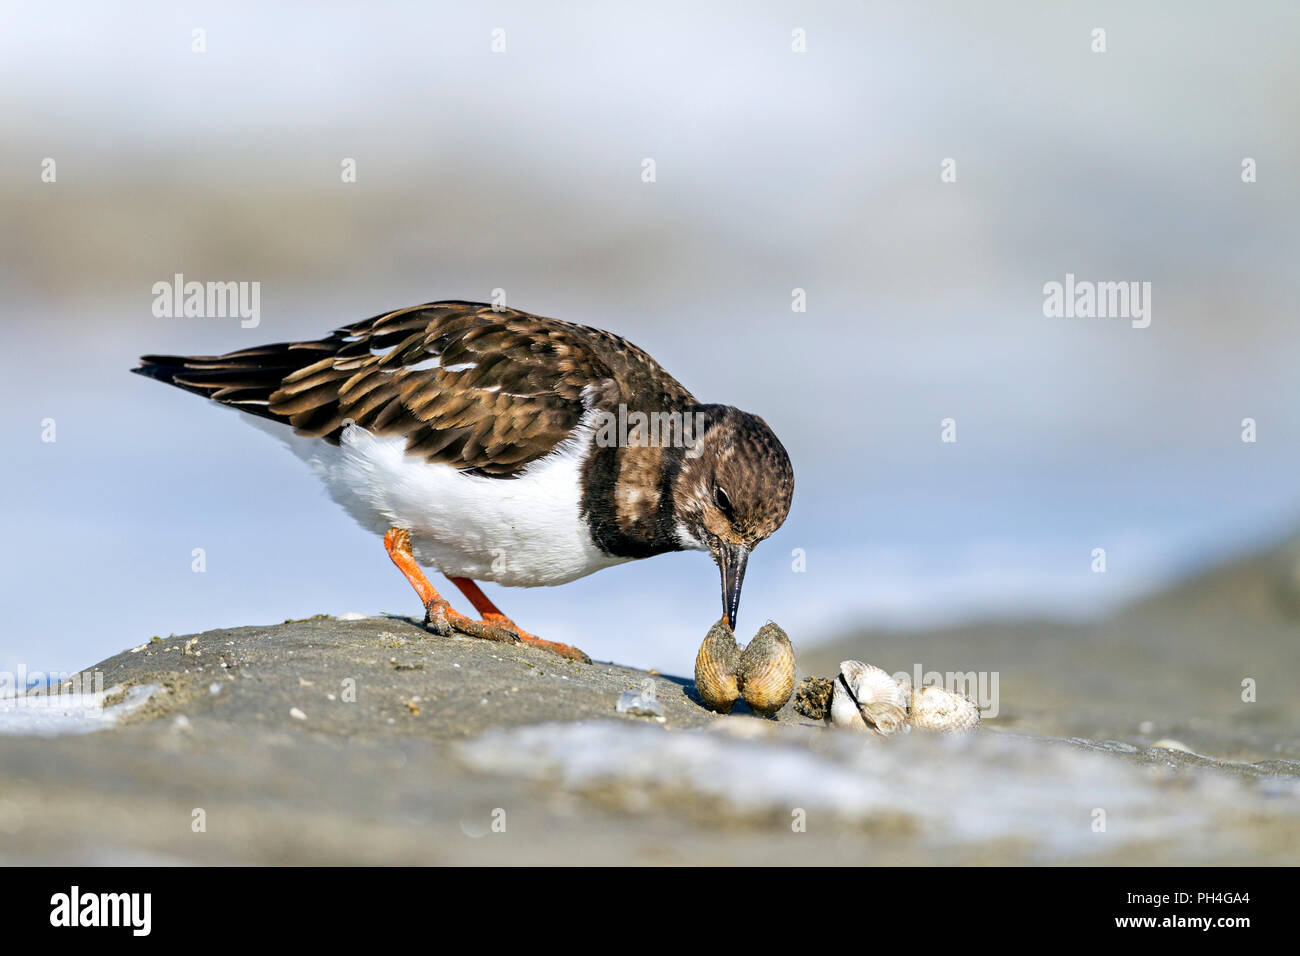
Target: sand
372, 741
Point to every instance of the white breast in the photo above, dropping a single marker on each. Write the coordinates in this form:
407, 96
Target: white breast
526, 531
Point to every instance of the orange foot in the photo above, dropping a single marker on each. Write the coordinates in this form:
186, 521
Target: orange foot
445, 620
491, 615
440, 616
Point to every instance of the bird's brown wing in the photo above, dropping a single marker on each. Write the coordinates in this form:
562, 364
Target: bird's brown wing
482, 390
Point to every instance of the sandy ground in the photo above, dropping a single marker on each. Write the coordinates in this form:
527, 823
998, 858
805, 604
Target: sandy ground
1170, 666
371, 741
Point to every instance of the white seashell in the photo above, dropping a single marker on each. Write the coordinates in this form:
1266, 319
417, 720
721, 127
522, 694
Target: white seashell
868, 698
934, 708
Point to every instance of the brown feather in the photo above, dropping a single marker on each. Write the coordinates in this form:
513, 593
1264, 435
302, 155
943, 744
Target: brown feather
518, 395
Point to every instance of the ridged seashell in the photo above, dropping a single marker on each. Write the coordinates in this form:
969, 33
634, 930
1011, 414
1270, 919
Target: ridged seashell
766, 672
868, 698
715, 669
934, 708
763, 673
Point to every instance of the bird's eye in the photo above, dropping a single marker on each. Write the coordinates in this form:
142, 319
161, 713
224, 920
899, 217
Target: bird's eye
722, 501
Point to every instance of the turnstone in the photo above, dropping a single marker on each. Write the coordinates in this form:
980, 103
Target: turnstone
495, 445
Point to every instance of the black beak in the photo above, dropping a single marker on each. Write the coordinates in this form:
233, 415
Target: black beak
731, 561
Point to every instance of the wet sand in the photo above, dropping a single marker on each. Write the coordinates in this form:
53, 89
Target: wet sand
371, 741
1170, 666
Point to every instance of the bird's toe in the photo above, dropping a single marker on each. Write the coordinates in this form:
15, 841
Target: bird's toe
484, 630
437, 619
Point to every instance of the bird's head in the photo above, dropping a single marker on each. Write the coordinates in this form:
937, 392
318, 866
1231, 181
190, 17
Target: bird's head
733, 490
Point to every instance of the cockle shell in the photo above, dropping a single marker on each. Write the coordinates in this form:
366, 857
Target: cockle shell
763, 673
766, 672
934, 708
868, 698
715, 669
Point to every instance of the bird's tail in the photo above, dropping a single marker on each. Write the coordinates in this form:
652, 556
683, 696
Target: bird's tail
245, 379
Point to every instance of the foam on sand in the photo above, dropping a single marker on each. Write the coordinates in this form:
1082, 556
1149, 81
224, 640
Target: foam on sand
1054, 796
50, 715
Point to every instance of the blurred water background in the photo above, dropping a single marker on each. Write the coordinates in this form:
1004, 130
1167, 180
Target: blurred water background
775, 170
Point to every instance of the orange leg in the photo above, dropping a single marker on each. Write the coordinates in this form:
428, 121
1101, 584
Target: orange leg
446, 620
438, 614
493, 615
